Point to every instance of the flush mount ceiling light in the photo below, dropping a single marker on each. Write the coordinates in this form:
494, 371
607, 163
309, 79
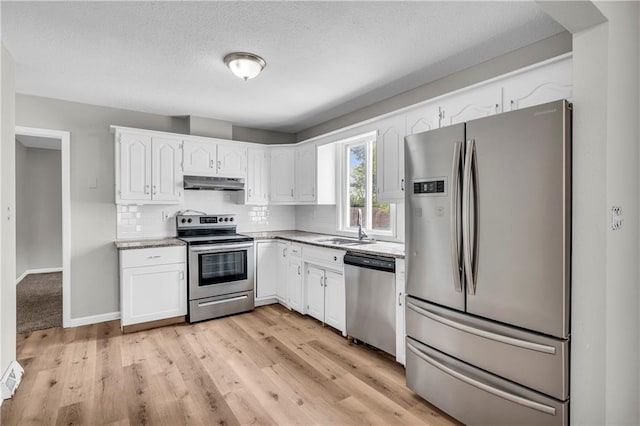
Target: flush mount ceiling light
245, 65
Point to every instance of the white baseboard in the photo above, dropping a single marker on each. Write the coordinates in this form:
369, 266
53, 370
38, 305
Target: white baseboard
37, 271
93, 319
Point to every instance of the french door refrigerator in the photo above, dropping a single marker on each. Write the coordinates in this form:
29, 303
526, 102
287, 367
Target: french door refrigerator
488, 266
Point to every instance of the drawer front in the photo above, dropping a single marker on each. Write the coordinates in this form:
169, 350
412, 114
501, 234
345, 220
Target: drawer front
295, 250
152, 256
220, 306
323, 256
476, 397
538, 362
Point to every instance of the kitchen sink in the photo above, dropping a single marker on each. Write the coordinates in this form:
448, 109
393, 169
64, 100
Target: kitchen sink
345, 241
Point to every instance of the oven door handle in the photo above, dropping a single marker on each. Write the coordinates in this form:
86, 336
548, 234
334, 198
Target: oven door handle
219, 248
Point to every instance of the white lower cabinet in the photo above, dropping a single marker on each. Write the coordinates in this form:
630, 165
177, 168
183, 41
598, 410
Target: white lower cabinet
293, 278
153, 284
267, 269
325, 295
400, 312
281, 281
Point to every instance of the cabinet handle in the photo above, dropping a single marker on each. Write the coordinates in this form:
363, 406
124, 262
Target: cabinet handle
155, 191
402, 184
284, 252
211, 164
181, 275
292, 192
298, 269
219, 164
154, 257
249, 192
399, 299
325, 281
146, 189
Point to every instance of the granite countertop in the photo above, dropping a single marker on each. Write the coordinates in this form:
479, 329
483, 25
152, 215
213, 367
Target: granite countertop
148, 243
382, 248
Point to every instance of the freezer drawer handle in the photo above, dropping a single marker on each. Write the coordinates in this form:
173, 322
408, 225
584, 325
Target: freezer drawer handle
483, 386
482, 333
217, 302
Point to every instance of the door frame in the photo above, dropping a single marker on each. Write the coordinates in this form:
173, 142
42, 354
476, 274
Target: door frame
65, 155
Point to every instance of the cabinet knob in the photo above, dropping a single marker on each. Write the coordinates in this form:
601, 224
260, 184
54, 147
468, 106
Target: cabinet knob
335, 258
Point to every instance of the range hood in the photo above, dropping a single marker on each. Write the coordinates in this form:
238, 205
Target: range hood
213, 183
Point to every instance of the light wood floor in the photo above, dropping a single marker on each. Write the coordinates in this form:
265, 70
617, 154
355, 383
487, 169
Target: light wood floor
271, 366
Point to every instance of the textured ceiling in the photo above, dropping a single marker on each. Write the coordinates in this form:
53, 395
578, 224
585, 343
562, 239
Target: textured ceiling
324, 59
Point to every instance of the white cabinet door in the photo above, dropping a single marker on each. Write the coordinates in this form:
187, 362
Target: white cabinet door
294, 284
282, 175
153, 292
423, 119
268, 269
199, 158
134, 167
400, 312
281, 280
549, 83
166, 182
335, 301
469, 105
315, 292
257, 176
232, 160
305, 183
390, 160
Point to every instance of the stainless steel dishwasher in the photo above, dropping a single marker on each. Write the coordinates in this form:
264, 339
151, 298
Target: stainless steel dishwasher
371, 310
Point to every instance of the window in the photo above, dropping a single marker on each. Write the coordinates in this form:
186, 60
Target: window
360, 190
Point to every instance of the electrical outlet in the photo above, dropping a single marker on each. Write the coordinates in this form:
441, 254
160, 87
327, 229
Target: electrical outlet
165, 216
616, 218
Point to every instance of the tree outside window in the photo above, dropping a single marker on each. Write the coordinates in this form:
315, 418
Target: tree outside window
363, 190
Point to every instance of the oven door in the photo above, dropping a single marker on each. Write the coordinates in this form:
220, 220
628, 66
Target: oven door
220, 269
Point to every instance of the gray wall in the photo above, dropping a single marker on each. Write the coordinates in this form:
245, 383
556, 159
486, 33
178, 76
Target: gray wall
7, 209
94, 266
262, 136
38, 209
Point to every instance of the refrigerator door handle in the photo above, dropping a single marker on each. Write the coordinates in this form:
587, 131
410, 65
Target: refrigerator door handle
525, 344
466, 217
481, 385
455, 179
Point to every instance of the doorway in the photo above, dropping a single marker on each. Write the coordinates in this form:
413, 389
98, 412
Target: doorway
42, 229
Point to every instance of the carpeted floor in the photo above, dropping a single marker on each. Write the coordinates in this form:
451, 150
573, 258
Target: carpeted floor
39, 302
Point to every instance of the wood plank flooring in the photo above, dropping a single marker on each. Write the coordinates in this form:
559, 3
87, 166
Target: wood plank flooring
270, 366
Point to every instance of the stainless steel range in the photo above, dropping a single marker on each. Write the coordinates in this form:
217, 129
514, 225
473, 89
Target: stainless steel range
220, 266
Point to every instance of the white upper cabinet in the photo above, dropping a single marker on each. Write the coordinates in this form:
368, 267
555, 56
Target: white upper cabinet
423, 119
232, 160
214, 158
471, 104
548, 83
282, 175
257, 185
390, 159
166, 170
305, 183
199, 158
133, 167
148, 169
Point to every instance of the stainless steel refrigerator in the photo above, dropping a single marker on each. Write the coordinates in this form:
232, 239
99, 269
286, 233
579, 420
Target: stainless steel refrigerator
488, 266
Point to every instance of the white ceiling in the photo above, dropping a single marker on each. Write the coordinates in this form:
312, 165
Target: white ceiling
324, 59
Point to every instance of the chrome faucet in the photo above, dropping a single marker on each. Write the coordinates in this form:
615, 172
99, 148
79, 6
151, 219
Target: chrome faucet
361, 234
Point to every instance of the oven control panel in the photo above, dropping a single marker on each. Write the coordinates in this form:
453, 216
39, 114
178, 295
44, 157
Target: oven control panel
205, 221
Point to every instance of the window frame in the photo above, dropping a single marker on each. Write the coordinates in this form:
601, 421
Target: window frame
369, 139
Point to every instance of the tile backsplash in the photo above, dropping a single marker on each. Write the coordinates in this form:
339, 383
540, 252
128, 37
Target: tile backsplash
148, 221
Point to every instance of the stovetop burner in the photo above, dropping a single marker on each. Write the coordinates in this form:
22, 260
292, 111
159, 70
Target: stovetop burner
208, 229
